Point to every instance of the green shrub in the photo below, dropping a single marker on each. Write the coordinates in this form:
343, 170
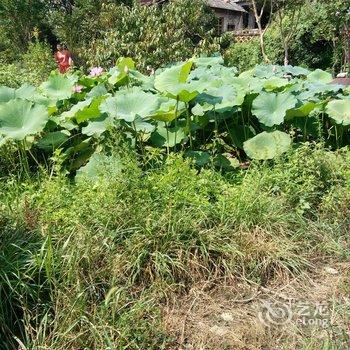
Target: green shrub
244, 56
152, 35
33, 67
39, 60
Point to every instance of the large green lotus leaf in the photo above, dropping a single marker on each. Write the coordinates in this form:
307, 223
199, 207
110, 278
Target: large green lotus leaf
320, 76
6, 94
75, 109
58, 87
143, 126
267, 71
168, 79
145, 81
200, 158
339, 111
73, 78
53, 140
208, 61
321, 88
215, 72
185, 92
200, 108
274, 83
128, 105
170, 137
270, 108
21, 118
302, 111
117, 77
97, 91
30, 93
100, 166
125, 62
87, 81
267, 145
248, 84
91, 111
230, 96
167, 110
98, 126
295, 71
211, 100
26, 92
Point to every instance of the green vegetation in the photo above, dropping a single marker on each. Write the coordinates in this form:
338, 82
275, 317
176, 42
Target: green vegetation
32, 67
199, 107
94, 264
121, 192
162, 206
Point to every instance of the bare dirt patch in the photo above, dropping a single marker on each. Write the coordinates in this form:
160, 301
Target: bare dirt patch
306, 312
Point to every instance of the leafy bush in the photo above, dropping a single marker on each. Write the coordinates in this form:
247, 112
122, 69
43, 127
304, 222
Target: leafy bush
33, 68
244, 56
153, 35
39, 60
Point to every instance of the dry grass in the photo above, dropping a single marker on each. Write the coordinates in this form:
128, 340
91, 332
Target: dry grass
225, 314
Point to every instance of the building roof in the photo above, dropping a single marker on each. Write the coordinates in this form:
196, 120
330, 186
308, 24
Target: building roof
226, 5
230, 5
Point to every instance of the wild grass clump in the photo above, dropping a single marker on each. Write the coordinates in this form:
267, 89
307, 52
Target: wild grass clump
91, 262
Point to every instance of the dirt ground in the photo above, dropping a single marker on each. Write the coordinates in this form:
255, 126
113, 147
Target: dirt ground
311, 311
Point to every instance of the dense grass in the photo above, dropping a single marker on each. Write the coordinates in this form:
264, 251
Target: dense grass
89, 265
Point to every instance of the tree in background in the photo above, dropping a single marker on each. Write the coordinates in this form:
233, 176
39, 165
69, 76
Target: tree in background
287, 15
262, 9
321, 40
18, 18
153, 35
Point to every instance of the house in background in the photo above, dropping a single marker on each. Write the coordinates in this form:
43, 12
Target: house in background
233, 15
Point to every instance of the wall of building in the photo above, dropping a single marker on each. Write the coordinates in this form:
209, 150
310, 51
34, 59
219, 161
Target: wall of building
231, 20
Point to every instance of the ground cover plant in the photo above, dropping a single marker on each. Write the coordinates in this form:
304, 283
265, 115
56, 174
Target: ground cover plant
137, 212
115, 262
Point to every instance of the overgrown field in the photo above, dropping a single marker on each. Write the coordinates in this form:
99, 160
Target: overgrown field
162, 211
143, 259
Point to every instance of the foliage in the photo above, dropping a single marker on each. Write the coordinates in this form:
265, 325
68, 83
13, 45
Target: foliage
38, 59
153, 35
96, 263
18, 19
199, 106
316, 37
244, 55
33, 67
320, 42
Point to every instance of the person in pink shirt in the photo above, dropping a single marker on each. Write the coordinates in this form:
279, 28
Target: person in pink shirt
63, 58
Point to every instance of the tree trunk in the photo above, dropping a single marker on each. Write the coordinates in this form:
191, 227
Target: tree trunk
261, 30
286, 55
